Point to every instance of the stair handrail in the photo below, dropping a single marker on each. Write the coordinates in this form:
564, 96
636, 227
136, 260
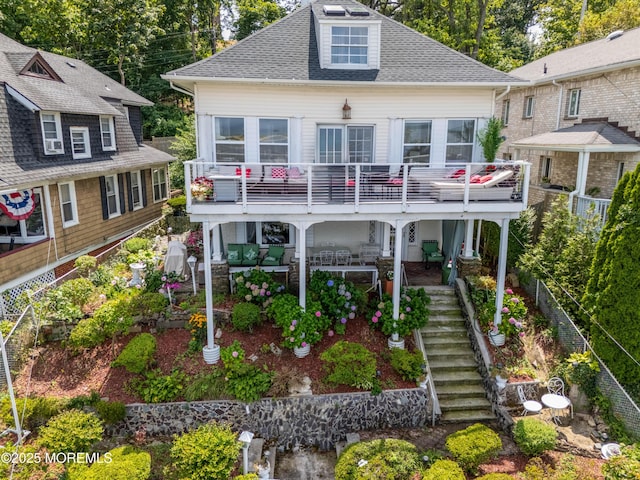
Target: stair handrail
431, 387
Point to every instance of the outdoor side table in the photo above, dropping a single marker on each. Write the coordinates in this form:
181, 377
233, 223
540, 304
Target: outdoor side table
555, 403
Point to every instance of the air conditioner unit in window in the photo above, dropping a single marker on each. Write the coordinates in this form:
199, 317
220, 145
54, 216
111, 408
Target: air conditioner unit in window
53, 145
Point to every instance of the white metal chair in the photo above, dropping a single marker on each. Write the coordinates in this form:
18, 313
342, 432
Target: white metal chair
326, 257
343, 257
556, 387
532, 406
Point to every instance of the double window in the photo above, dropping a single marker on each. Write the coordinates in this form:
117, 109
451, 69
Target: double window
460, 140
269, 233
417, 141
68, 204
80, 146
345, 144
107, 133
573, 103
51, 133
349, 45
159, 179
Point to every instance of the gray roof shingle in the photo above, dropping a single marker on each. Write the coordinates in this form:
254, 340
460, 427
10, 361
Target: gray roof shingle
287, 50
582, 58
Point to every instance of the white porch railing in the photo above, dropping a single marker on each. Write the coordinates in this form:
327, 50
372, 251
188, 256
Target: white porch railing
586, 206
348, 187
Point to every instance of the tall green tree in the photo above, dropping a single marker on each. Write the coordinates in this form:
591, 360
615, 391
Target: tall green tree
254, 15
612, 291
624, 15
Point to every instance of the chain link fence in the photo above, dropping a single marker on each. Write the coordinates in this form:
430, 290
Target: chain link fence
573, 341
18, 342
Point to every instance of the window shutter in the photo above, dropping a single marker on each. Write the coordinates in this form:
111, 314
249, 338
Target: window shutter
129, 191
143, 186
123, 207
103, 198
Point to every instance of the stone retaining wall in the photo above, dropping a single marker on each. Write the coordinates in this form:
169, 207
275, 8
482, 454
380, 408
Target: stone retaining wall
316, 420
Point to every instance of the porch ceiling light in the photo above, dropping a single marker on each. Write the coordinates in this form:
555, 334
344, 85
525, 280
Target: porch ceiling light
346, 110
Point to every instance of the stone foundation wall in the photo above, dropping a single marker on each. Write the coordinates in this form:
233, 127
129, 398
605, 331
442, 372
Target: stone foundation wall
315, 420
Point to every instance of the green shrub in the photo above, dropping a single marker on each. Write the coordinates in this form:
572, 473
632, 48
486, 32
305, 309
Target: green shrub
110, 319
78, 290
350, 364
29, 470
473, 445
625, 466
110, 412
389, 458
245, 316
138, 354
126, 463
208, 453
86, 334
149, 303
247, 382
495, 476
81, 401
534, 436
206, 386
37, 410
537, 469
159, 388
444, 470
71, 431
408, 365
248, 476
85, 264
153, 281
134, 245
178, 204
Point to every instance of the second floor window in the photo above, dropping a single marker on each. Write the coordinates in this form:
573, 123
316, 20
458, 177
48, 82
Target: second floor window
159, 178
68, 205
51, 133
113, 196
417, 141
349, 45
229, 138
573, 105
460, 138
80, 146
505, 112
529, 103
135, 185
274, 140
108, 134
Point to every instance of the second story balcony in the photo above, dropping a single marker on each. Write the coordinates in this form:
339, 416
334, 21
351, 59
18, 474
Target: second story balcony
344, 189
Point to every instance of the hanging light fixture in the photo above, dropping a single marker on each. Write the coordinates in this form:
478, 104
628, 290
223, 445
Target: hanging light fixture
346, 110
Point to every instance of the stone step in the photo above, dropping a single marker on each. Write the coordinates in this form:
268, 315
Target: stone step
444, 319
465, 403
460, 390
459, 416
443, 329
460, 377
437, 341
446, 350
453, 363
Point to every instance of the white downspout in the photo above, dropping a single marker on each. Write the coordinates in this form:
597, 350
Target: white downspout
495, 99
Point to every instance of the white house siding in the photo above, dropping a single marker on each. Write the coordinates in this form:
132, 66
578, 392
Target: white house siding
323, 105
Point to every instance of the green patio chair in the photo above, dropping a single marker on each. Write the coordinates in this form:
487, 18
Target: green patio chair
250, 254
431, 253
234, 254
273, 256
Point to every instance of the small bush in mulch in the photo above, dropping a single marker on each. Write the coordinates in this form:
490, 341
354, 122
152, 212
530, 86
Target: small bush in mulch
138, 354
388, 458
534, 436
444, 470
473, 445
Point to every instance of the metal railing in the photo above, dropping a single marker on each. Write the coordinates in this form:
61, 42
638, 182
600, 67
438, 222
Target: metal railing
355, 184
587, 207
431, 387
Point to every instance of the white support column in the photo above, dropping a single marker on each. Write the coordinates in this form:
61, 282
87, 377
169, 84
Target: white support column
217, 245
302, 266
583, 170
502, 270
211, 351
397, 268
299, 246
468, 240
51, 231
478, 235
386, 240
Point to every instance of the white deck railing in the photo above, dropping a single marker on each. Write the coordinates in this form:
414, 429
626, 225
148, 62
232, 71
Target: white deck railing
355, 185
586, 207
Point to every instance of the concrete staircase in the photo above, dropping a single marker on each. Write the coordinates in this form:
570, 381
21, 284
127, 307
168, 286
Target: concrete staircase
453, 367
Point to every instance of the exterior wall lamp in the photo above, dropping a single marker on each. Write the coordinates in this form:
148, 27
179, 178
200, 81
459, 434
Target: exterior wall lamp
346, 110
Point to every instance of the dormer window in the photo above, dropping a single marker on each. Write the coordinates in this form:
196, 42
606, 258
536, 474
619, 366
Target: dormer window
349, 45
38, 67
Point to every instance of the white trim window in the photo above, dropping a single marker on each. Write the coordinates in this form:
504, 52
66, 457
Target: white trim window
113, 195
274, 140
159, 178
107, 133
529, 105
349, 46
506, 105
460, 138
136, 191
229, 139
29, 230
51, 133
68, 204
573, 103
352, 142
269, 233
417, 141
80, 146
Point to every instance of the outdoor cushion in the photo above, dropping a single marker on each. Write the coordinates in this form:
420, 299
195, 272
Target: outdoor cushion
278, 172
486, 178
247, 172
274, 255
457, 174
294, 172
250, 254
475, 179
234, 253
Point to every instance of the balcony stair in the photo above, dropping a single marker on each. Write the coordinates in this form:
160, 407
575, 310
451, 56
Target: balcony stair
451, 360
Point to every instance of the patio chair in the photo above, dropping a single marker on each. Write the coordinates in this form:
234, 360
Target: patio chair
532, 406
556, 387
431, 253
273, 256
250, 254
326, 257
343, 257
234, 254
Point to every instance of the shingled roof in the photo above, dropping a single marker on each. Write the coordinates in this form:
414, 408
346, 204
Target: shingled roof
82, 89
287, 51
615, 51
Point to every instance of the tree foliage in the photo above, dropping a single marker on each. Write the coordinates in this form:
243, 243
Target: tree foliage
623, 15
255, 15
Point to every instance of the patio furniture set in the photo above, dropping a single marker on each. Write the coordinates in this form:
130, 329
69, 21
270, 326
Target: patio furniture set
555, 399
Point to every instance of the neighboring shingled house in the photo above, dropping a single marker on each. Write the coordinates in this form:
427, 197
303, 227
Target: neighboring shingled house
578, 120
74, 174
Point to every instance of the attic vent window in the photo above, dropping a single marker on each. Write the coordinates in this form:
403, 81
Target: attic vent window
36, 68
334, 10
358, 11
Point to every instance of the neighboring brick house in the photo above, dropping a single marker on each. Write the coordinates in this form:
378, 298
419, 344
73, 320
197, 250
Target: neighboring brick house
74, 175
578, 120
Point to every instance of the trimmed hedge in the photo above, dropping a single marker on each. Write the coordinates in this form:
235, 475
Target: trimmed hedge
473, 445
71, 431
389, 458
126, 463
534, 436
444, 470
138, 354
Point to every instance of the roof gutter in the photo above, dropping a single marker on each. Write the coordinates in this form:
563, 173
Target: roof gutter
495, 99
180, 89
559, 103
589, 71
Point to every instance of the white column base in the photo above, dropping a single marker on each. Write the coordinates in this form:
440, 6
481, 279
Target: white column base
211, 355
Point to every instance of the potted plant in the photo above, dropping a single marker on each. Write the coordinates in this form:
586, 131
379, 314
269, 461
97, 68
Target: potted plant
388, 284
202, 188
490, 138
513, 313
545, 182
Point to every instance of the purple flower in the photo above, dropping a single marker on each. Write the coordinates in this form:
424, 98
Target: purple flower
408, 309
378, 313
515, 300
353, 308
330, 333
343, 320
512, 320
234, 354
508, 291
519, 324
318, 314
303, 344
521, 334
330, 283
374, 319
294, 322
268, 293
505, 310
262, 292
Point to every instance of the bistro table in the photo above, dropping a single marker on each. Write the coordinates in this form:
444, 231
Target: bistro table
555, 403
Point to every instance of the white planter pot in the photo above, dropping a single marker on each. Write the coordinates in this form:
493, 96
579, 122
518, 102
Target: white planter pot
211, 355
397, 343
302, 352
497, 339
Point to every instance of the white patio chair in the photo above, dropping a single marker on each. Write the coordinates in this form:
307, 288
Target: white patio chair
343, 257
326, 257
532, 406
556, 387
